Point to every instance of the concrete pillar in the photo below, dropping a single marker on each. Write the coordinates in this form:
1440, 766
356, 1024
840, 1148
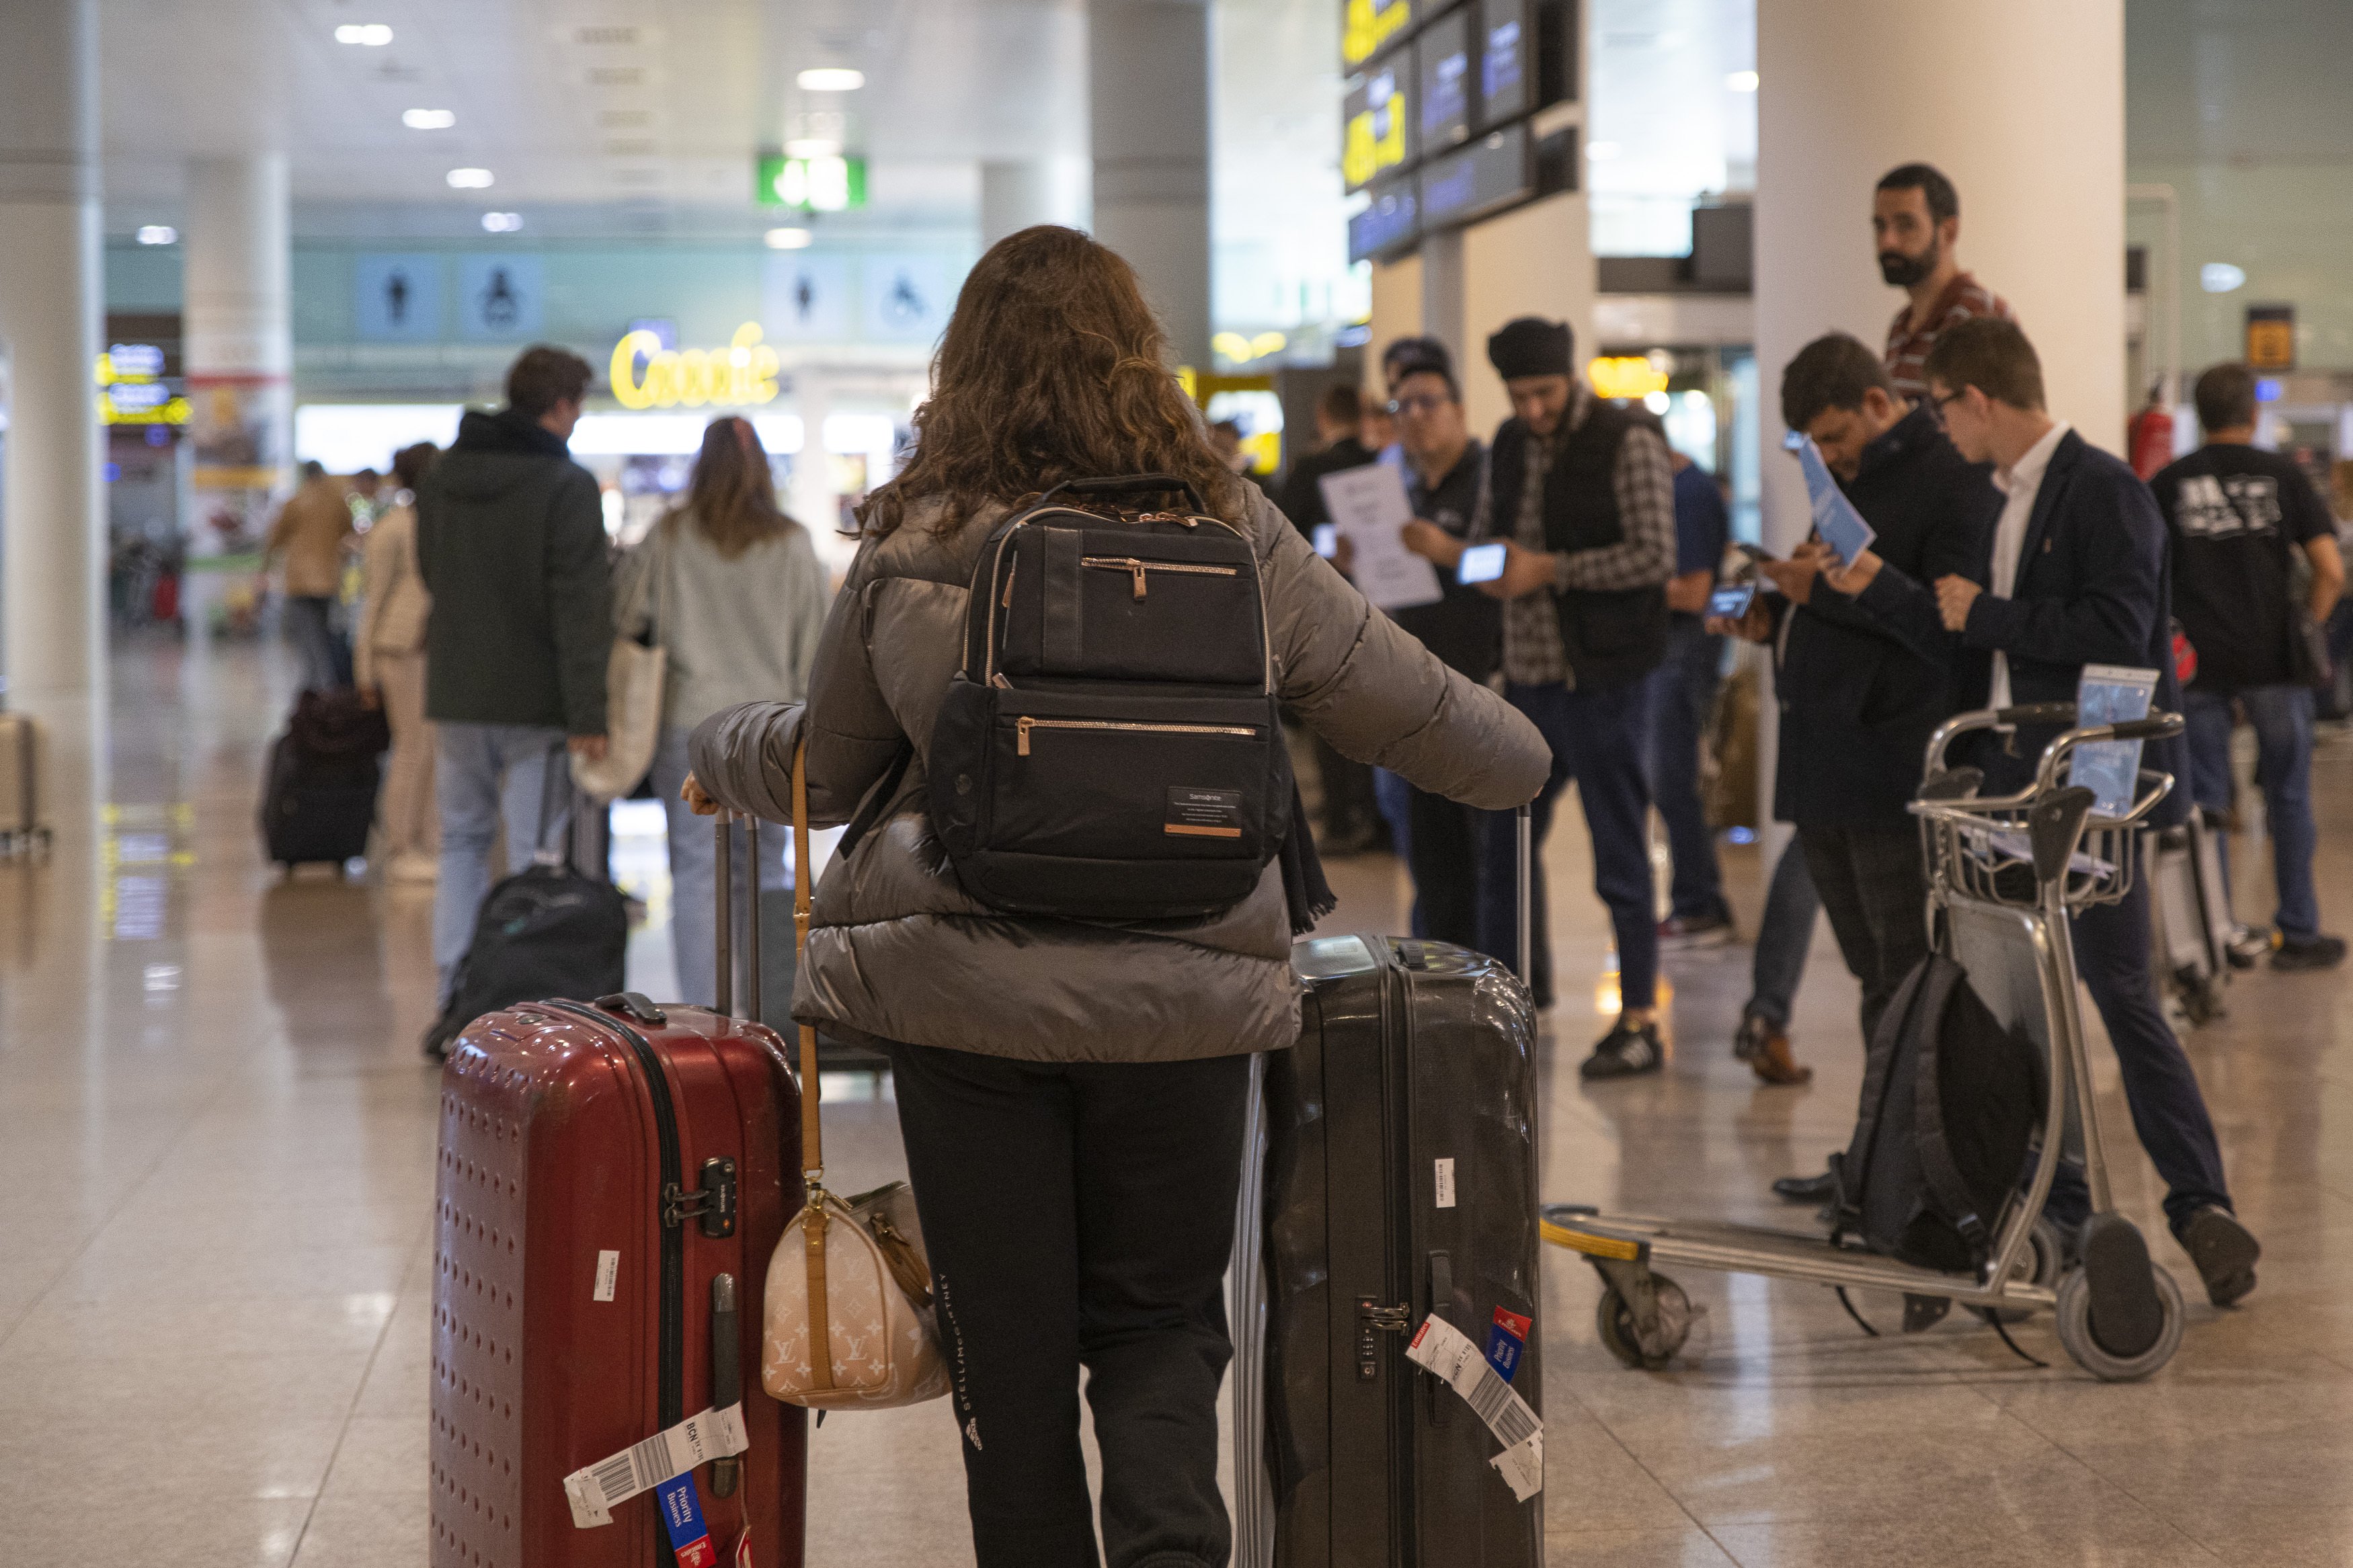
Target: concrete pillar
1399, 300
1019, 194
2023, 109
814, 500
52, 512
1148, 90
239, 344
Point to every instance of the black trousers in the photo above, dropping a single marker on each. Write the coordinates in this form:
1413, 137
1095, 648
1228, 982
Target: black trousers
1442, 850
1349, 808
1077, 1215
1874, 888
2169, 1110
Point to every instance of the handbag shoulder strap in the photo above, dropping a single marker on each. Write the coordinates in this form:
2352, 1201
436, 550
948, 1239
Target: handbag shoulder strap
812, 1131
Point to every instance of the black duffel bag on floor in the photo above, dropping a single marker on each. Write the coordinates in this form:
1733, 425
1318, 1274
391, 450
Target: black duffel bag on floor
547, 931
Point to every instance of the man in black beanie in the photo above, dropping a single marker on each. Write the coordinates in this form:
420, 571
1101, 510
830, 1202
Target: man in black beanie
1581, 494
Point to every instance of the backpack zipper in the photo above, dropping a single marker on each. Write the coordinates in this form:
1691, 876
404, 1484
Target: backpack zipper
1139, 567
1023, 725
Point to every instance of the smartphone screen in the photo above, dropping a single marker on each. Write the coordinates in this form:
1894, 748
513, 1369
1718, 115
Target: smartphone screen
1328, 540
1732, 600
1481, 563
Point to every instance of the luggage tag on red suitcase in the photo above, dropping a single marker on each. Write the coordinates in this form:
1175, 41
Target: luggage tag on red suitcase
593, 1490
1446, 1353
1507, 1337
681, 1515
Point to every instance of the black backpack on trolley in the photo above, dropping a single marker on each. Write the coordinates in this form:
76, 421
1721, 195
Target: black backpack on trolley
1112, 747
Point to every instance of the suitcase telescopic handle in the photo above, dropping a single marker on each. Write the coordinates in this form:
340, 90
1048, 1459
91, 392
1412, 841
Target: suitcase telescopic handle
723, 949
1524, 831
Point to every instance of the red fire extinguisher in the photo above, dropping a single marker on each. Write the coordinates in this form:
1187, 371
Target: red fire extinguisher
2148, 436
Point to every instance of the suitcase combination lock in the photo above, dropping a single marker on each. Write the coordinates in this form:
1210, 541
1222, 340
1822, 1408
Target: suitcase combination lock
1373, 1320
713, 1203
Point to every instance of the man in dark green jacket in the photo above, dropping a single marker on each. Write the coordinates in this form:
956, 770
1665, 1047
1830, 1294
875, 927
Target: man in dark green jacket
511, 542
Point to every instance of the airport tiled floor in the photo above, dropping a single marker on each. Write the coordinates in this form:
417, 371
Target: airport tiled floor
216, 1170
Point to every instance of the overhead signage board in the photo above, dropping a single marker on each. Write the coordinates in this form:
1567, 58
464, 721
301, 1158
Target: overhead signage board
805, 298
906, 298
501, 298
1389, 224
818, 184
1444, 54
2271, 337
1491, 174
1379, 123
396, 298
1506, 57
1368, 26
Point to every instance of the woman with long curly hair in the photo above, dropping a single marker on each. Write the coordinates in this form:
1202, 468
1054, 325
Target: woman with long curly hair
1071, 1092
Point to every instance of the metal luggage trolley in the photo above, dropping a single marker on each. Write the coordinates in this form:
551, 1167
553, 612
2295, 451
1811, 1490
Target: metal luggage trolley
2003, 872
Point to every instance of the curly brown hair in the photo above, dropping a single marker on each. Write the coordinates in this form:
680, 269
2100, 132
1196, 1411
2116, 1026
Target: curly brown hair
1052, 368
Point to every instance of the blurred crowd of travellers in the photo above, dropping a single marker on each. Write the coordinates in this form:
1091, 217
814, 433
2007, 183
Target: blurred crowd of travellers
2008, 554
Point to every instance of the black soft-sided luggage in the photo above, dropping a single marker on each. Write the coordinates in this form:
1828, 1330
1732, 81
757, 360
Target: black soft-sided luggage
1399, 1182
318, 797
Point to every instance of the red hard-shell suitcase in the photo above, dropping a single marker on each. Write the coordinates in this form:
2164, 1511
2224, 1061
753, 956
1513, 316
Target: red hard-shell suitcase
585, 1202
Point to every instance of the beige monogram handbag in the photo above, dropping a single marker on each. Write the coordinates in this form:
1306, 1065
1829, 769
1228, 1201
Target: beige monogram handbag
848, 1321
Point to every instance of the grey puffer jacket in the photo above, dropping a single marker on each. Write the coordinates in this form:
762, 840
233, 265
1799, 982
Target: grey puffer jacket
898, 951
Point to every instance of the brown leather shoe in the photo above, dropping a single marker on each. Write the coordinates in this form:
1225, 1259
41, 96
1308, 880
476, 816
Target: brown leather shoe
1775, 1062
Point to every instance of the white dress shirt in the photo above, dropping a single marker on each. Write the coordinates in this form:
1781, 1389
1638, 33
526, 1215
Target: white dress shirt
2019, 485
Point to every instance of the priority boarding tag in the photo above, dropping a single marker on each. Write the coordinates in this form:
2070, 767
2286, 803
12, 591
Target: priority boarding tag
641, 1467
1443, 1351
681, 1515
1507, 1337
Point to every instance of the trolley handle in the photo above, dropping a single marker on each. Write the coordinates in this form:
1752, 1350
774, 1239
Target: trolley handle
1960, 724
2156, 727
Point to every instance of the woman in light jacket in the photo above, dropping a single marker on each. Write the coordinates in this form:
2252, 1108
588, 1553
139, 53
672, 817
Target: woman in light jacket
732, 590
388, 667
1070, 1093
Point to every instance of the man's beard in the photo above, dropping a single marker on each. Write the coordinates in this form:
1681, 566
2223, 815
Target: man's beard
1903, 271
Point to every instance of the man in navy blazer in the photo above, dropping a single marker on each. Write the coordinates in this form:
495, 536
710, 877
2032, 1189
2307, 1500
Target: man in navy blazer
2076, 574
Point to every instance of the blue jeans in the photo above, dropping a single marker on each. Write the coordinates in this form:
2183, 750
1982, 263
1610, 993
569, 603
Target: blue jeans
309, 626
693, 874
1599, 739
1784, 937
2282, 717
483, 773
1682, 695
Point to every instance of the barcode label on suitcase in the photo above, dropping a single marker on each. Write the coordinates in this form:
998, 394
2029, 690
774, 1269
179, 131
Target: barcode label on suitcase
593, 1489
1441, 1350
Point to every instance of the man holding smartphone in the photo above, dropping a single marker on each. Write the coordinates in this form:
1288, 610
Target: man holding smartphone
1581, 496
1860, 693
2076, 574
1444, 468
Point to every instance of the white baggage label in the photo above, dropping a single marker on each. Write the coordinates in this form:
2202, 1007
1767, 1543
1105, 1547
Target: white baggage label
608, 1269
1441, 1350
593, 1490
1446, 1183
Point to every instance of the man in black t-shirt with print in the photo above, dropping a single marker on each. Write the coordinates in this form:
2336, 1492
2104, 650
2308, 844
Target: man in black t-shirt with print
2236, 515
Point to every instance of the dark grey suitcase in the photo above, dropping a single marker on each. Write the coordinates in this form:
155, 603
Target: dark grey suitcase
1398, 1180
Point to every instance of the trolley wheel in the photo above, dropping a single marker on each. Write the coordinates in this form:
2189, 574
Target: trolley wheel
1614, 1321
2077, 1337
2040, 1265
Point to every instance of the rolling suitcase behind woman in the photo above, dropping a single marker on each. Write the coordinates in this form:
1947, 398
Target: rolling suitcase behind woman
1389, 1178
613, 1178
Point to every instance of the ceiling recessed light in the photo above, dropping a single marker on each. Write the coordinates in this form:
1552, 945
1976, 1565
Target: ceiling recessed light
370, 34
831, 79
471, 179
158, 234
427, 119
2221, 278
813, 147
787, 238
1741, 81
501, 223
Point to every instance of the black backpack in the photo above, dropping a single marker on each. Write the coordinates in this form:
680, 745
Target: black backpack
1112, 748
1951, 1104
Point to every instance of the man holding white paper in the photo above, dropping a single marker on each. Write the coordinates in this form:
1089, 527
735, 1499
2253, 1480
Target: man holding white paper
2078, 575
